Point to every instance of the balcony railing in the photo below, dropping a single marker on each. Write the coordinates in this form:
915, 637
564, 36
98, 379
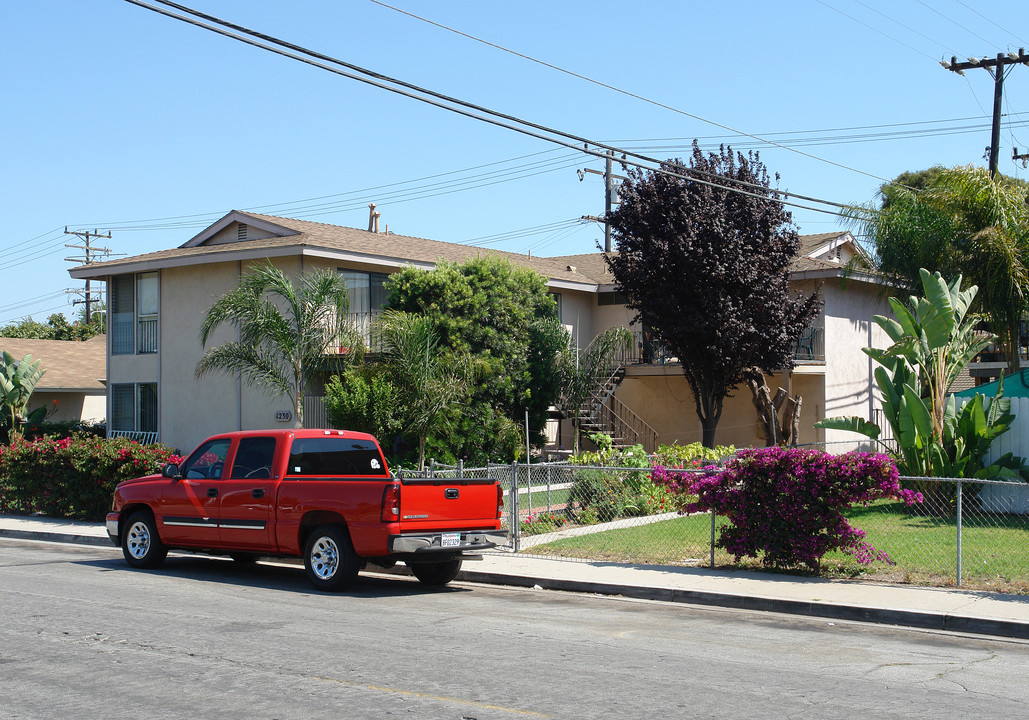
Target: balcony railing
810, 347
146, 334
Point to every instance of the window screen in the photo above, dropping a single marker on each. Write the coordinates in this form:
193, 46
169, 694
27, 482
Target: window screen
120, 299
335, 456
123, 407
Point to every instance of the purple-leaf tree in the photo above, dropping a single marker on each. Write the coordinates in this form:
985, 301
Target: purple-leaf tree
787, 504
706, 262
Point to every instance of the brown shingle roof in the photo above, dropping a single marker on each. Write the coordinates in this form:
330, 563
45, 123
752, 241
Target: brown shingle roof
401, 249
589, 268
810, 243
69, 364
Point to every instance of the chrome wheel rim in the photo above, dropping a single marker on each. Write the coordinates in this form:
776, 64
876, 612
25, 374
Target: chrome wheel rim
138, 540
324, 558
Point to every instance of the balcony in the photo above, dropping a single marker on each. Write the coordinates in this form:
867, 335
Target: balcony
809, 348
364, 323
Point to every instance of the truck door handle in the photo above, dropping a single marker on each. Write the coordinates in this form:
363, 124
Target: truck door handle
257, 493
451, 493
212, 492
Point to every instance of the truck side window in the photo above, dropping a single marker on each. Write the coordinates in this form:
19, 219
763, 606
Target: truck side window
253, 458
207, 461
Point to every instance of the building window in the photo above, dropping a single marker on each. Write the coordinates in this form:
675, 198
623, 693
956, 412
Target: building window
134, 407
367, 295
612, 298
134, 301
120, 298
146, 312
557, 299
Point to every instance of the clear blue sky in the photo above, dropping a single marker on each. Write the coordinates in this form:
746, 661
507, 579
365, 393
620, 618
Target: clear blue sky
116, 118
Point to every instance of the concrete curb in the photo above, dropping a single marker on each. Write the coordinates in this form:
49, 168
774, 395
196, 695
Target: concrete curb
60, 537
882, 616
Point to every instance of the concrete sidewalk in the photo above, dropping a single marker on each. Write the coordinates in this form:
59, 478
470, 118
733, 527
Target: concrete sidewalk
955, 610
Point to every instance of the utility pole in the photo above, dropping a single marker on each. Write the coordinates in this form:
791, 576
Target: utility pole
90, 257
1024, 157
996, 70
610, 195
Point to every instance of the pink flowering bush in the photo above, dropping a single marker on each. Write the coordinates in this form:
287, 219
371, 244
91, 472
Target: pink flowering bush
72, 477
543, 522
787, 504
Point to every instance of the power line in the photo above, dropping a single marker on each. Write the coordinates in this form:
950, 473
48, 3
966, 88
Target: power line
1001, 27
875, 30
953, 22
477, 112
626, 92
898, 22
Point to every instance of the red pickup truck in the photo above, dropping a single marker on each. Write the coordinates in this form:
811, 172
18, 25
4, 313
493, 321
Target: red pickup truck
324, 495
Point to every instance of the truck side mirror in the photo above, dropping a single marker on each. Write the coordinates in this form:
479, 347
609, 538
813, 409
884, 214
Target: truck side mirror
170, 470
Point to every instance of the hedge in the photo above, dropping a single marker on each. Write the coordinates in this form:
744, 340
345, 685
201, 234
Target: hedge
72, 477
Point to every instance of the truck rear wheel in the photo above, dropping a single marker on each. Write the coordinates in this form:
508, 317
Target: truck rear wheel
437, 573
329, 558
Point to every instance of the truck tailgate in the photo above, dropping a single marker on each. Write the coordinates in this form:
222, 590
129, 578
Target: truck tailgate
448, 503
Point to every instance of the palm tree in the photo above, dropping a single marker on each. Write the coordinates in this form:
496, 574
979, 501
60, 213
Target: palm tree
285, 331
962, 223
429, 379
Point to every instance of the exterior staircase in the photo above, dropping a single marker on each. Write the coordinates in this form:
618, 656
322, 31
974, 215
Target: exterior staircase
603, 412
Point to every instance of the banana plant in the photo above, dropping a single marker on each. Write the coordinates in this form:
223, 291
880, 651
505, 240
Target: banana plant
18, 379
933, 340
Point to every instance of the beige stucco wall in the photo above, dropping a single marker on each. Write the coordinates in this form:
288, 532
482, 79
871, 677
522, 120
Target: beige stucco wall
577, 313
192, 409
663, 398
70, 405
849, 379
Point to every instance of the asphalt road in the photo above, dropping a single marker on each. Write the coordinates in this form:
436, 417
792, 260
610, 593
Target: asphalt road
83, 636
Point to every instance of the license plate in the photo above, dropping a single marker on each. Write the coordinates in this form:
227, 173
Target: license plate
451, 540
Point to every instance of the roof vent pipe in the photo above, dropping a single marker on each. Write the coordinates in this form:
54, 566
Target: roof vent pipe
373, 218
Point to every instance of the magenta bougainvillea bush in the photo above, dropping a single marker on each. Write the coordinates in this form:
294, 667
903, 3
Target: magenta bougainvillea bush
787, 504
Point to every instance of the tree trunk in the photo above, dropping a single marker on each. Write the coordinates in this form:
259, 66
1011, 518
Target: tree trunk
709, 411
777, 431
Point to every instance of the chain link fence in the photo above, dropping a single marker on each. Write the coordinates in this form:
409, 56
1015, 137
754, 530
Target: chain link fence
966, 532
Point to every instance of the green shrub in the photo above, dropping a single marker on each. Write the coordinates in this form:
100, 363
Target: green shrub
543, 522
73, 477
681, 456
604, 495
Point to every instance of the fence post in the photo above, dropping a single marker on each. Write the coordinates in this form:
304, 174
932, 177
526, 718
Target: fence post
432, 467
515, 524
460, 468
550, 479
712, 539
959, 532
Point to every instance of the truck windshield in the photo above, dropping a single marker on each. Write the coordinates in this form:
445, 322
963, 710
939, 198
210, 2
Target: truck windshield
335, 456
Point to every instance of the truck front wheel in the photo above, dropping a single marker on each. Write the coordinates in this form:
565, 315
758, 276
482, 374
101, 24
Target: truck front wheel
330, 560
437, 573
140, 543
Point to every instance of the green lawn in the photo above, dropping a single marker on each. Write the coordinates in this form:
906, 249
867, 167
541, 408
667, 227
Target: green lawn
995, 549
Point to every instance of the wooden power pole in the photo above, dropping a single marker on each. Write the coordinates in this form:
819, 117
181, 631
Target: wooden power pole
91, 254
996, 69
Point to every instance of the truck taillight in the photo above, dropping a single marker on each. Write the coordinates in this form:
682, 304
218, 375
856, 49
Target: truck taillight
391, 503
500, 502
